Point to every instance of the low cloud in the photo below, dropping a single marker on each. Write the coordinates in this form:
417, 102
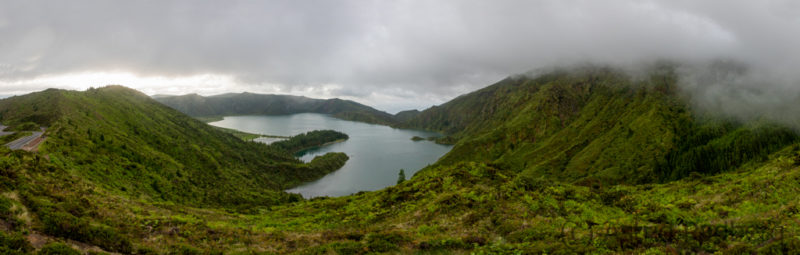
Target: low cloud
375, 51
743, 92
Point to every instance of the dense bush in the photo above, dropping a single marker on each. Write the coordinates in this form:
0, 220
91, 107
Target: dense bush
65, 225
713, 148
14, 243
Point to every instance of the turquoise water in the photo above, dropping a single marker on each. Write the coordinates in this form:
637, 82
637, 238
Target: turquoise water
377, 153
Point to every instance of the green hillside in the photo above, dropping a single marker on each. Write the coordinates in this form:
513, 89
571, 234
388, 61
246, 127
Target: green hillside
259, 104
586, 160
128, 143
597, 125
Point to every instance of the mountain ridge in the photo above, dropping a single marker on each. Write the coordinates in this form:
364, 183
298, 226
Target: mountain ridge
247, 103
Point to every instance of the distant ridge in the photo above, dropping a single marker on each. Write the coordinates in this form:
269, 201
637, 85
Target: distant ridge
267, 104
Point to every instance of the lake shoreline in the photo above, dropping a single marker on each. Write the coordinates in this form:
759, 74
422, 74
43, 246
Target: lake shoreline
376, 152
302, 151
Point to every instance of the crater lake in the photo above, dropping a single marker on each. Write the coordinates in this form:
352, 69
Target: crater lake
377, 153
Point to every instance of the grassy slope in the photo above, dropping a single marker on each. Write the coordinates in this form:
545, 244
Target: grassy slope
128, 143
258, 104
500, 189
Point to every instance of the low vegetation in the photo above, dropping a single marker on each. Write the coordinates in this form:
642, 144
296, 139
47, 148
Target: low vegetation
587, 161
25, 126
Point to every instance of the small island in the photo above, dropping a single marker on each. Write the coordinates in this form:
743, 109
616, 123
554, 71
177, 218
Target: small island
310, 139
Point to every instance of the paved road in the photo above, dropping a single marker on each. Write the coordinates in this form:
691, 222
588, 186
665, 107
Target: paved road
17, 144
4, 133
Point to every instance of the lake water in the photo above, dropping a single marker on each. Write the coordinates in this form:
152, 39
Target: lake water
377, 153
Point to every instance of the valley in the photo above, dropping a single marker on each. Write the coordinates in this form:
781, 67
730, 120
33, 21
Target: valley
377, 153
417, 127
587, 160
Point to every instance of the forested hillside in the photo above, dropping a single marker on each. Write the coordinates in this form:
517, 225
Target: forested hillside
258, 104
597, 124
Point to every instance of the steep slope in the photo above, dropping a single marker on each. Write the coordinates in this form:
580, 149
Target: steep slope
258, 104
406, 116
126, 142
597, 125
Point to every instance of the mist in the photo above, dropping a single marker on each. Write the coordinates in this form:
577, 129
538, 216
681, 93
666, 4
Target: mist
393, 55
726, 88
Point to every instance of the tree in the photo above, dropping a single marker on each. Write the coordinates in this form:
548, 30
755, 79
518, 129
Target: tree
401, 177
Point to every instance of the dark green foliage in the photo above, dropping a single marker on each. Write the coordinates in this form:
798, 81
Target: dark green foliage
405, 116
185, 250
383, 242
324, 164
343, 247
401, 176
257, 104
25, 126
7, 214
308, 140
68, 226
446, 140
14, 243
712, 148
58, 249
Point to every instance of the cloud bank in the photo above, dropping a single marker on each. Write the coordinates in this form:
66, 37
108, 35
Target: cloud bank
390, 54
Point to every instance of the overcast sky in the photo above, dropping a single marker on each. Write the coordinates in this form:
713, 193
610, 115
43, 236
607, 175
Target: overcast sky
392, 55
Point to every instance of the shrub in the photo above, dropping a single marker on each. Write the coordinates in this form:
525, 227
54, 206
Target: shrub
26, 126
345, 247
14, 243
68, 226
383, 242
58, 249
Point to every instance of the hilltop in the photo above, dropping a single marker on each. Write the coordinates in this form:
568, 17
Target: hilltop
261, 104
126, 142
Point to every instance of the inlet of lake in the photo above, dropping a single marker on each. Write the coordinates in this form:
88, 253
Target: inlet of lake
377, 153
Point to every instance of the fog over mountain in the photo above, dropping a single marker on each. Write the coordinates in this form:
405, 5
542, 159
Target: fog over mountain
393, 55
